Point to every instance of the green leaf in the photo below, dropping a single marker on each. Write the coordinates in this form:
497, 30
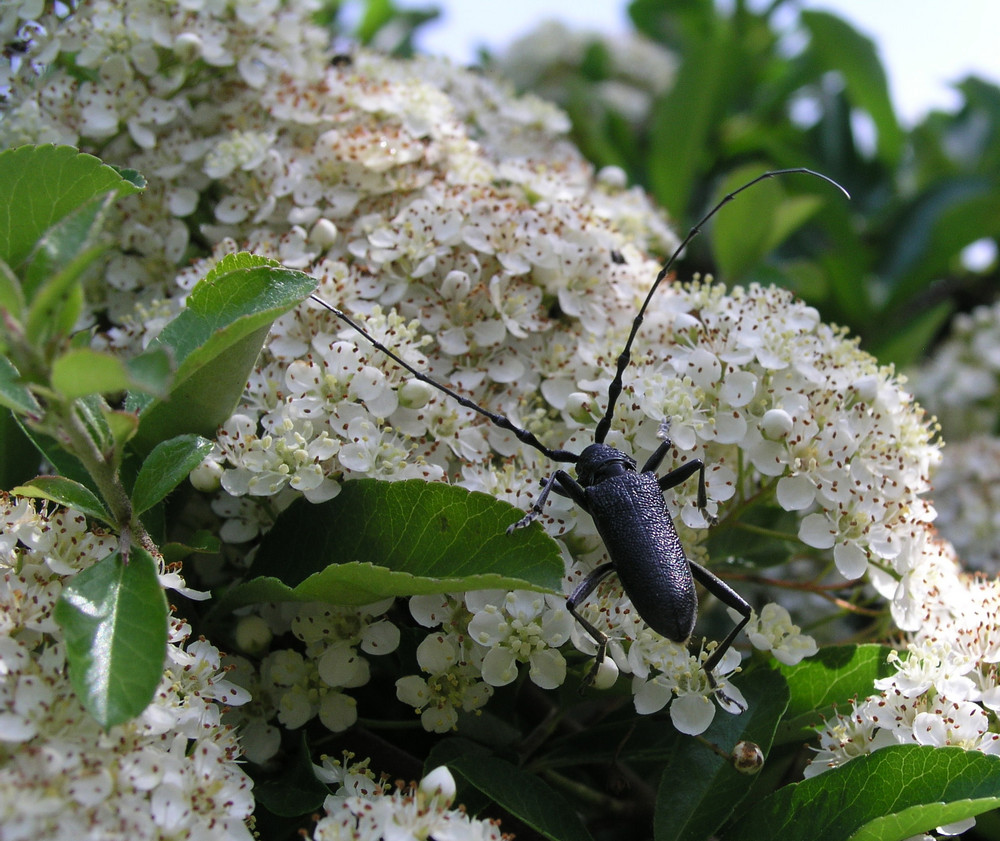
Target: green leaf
19, 460
377, 13
114, 618
519, 792
83, 371
151, 372
838, 46
378, 539
890, 795
215, 341
906, 347
14, 394
926, 242
295, 791
11, 293
201, 541
828, 679
749, 230
165, 468
698, 789
684, 120
88, 371
64, 463
92, 411
39, 185
72, 242
63, 491
652, 741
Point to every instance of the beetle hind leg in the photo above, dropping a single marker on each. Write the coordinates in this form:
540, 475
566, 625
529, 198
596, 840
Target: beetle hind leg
729, 597
584, 589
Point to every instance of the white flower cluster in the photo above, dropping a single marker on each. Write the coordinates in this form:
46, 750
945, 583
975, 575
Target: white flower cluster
457, 222
945, 690
24, 25
967, 499
629, 70
295, 686
363, 809
170, 773
960, 383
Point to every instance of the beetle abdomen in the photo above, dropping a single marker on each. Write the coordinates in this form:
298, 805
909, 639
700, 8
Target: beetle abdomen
632, 519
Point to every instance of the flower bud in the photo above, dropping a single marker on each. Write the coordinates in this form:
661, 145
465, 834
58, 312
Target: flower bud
253, 635
207, 476
578, 406
438, 783
414, 394
323, 234
607, 674
776, 424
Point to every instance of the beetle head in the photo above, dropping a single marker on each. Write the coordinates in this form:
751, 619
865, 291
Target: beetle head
599, 462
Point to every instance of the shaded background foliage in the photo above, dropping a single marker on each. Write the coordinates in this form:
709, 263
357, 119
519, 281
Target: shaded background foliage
890, 264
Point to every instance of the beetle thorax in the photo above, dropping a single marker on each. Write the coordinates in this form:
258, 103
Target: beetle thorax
599, 462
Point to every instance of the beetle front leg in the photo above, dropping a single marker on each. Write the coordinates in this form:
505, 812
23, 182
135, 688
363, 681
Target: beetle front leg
681, 474
560, 482
729, 597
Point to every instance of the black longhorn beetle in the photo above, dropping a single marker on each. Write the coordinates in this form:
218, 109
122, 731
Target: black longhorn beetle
628, 508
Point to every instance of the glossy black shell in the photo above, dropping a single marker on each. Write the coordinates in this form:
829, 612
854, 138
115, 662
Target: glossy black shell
631, 517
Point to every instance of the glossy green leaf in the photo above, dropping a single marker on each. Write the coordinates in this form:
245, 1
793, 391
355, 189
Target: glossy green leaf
526, 796
63, 491
40, 185
890, 795
295, 790
62, 462
840, 47
830, 679
214, 342
151, 372
698, 789
64, 251
378, 539
684, 119
165, 468
114, 618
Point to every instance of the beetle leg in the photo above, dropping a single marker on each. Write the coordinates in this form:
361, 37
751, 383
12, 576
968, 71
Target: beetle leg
654, 461
729, 597
564, 485
683, 473
584, 589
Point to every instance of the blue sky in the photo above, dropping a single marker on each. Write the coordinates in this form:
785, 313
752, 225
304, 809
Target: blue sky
925, 44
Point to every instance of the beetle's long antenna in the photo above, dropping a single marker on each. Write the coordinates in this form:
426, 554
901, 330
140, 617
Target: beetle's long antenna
616, 385
522, 435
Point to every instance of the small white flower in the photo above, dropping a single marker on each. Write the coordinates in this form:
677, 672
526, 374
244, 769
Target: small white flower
527, 628
772, 630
